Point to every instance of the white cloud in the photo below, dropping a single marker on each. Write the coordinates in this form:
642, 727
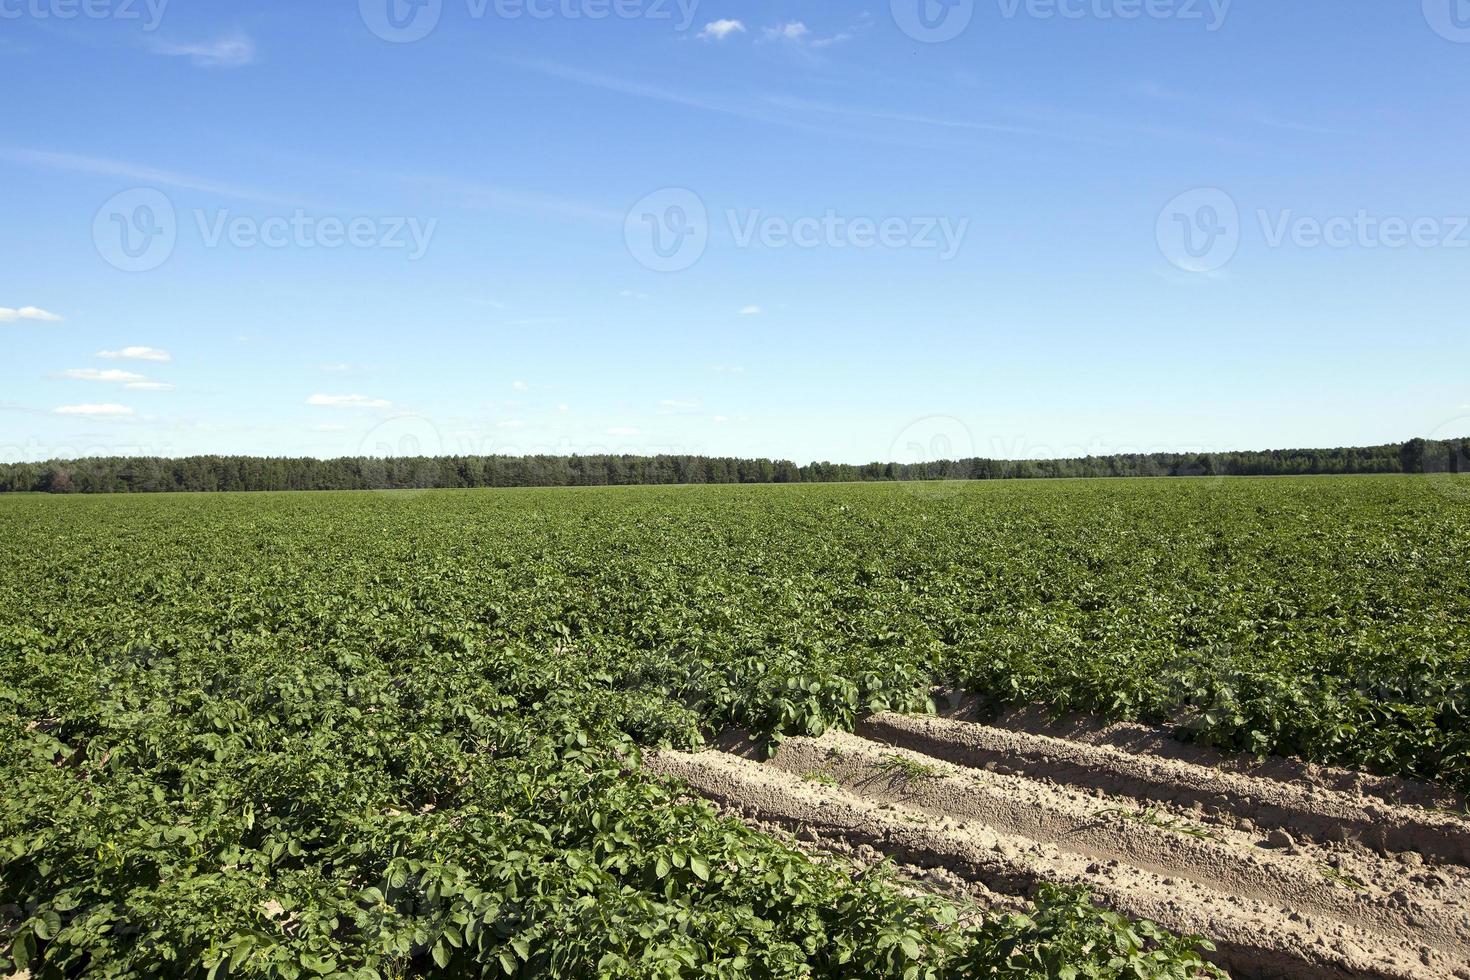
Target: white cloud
136, 354
728, 369
563, 408
622, 430
329, 427
520, 386
722, 418
718, 30
337, 368
348, 401
149, 386
7, 315
510, 424
792, 31
232, 51
751, 310
111, 375
795, 32
94, 411
678, 405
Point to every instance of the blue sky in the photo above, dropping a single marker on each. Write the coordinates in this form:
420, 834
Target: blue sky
795, 229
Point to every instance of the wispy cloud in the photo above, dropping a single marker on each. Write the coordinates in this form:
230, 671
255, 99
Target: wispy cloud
788, 113
149, 386
791, 31
349, 401
108, 375
143, 174
94, 411
751, 310
740, 108
8, 315
136, 354
718, 30
797, 34
1247, 114
231, 51
919, 119
488, 197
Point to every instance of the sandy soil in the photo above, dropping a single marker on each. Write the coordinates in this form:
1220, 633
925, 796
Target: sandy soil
1291, 873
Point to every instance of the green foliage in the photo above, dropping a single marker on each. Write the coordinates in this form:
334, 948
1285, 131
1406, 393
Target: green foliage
1067, 938
1161, 821
392, 735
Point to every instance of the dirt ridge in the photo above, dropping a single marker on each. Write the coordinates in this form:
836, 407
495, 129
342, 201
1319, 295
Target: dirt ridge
1276, 903
1311, 812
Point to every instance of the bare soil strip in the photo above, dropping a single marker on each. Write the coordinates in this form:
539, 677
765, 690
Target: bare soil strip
993, 808
1305, 811
1145, 740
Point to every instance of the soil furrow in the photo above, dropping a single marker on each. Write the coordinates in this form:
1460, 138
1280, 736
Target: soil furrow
1162, 742
1252, 938
1113, 829
1314, 813
1007, 811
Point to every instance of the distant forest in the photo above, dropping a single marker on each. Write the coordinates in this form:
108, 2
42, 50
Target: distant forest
236, 473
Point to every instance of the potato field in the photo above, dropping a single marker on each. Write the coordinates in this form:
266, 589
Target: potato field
453, 733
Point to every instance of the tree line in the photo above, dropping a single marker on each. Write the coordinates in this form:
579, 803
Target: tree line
130, 474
